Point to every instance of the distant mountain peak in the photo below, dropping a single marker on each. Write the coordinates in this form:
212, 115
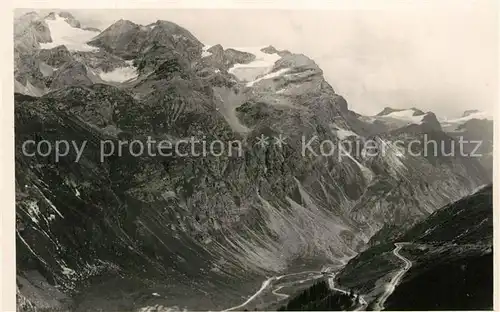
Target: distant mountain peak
67, 16
31, 13
470, 112
51, 16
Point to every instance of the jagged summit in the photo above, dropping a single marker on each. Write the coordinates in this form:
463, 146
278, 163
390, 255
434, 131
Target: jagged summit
70, 19
272, 50
33, 32
122, 23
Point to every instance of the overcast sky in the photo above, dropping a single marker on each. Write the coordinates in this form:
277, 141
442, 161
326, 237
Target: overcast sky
440, 59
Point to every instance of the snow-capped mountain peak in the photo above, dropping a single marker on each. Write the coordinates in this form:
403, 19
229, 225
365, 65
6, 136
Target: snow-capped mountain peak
202, 223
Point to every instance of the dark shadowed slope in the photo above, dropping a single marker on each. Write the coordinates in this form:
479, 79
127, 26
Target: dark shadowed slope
451, 255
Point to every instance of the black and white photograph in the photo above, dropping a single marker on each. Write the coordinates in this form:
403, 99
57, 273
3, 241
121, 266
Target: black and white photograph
258, 159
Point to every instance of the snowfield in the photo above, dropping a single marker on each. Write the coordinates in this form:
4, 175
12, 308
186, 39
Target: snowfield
341, 133
62, 33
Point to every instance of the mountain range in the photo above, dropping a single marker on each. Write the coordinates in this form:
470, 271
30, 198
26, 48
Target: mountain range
202, 233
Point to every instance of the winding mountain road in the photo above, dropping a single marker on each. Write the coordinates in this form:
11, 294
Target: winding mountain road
268, 283
395, 279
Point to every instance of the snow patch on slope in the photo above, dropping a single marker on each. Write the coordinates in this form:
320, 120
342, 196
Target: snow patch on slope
406, 115
262, 64
161, 308
341, 133
367, 173
46, 69
62, 33
477, 115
